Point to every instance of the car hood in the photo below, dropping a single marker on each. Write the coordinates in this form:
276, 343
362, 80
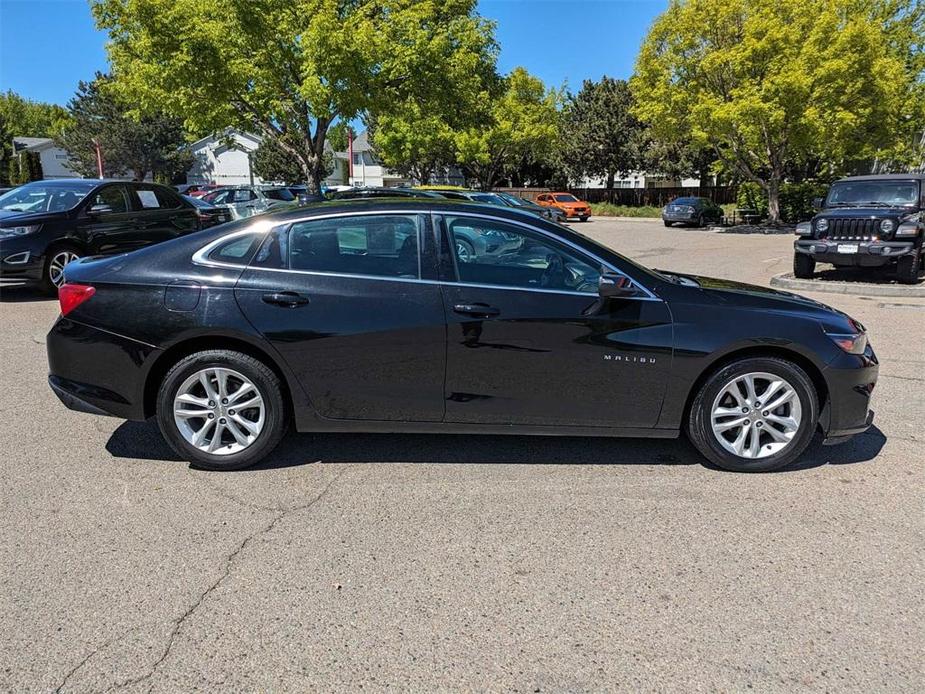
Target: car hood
855, 212
742, 295
13, 218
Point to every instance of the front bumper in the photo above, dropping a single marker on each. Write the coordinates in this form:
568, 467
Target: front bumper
679, 217
21, 259
850, 380
868, 254
577, 212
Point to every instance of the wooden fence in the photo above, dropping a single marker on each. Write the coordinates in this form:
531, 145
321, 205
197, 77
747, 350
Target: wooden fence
635, 197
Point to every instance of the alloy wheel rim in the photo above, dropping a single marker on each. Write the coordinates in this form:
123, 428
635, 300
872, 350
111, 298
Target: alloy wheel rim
462, 253
56, 266
219, 411
756, 415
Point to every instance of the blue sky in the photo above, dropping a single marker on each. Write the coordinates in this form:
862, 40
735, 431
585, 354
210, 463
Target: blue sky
46, 46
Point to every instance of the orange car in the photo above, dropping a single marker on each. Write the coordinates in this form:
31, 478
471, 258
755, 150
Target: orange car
568, 203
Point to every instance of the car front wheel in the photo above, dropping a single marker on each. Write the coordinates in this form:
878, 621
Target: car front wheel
221, 410
754, 415
908, 268
804, 267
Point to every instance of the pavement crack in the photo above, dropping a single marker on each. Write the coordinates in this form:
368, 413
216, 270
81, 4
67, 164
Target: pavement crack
903, 378
73, 671
226, 572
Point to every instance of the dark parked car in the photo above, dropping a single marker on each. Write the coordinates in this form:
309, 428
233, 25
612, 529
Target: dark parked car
44, 225
867, 221
209, 215
691, 211
358, 316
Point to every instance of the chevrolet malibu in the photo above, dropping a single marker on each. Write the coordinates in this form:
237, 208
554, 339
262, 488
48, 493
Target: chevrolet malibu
360, 316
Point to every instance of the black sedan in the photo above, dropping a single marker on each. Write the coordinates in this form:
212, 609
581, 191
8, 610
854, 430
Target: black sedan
691, 211
359, 316
209, 214
44, 225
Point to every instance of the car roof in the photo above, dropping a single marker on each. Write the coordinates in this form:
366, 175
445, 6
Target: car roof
409, 204
886, 177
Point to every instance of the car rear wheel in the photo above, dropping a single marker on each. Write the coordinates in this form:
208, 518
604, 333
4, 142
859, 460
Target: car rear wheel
465, 251
56, 259
666, 223
804, 267
221, 410
754, 415
908, 268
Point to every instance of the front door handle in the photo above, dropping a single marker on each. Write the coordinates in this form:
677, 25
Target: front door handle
482, 310
286, 299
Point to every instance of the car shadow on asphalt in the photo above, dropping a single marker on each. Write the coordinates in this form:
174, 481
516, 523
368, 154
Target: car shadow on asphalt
142, 440
21, 293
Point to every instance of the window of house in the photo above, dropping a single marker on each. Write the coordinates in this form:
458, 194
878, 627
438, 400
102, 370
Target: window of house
376, 245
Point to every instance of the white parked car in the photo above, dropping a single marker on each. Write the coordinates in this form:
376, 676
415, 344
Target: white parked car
246, 201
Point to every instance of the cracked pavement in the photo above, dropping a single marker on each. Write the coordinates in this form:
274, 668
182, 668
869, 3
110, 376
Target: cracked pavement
461, 562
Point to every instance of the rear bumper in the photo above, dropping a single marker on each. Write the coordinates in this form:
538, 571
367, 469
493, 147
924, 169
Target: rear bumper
869, 253
99, 372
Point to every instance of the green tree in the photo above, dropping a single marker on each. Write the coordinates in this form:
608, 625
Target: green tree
601, 136
412, 142
522, 123
21, 117
141, 142
288, 69
273, 163
337, 136
767, 84
31, 165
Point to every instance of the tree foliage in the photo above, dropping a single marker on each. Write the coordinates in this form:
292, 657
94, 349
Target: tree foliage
601, 137
288, 69
21, 117
412, 142
274, 163
522, 125
141, 142
768, 84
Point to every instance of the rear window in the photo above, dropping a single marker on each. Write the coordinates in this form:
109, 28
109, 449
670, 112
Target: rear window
279, 194
236, 251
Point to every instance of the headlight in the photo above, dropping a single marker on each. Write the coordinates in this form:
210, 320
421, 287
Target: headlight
853, 342
20, 231
822, 224
887, 225
804, 229
907, 229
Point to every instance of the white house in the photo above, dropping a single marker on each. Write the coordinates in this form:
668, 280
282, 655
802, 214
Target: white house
369, 171
641, 179
54, 159
226, 158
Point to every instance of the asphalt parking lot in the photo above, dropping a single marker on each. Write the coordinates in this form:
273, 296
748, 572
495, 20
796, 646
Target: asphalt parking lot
436, 563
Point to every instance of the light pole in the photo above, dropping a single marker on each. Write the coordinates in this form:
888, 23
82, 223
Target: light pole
99, 157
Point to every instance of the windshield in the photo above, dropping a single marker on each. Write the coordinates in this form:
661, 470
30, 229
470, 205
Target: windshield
566, 197
877, 193
44, 197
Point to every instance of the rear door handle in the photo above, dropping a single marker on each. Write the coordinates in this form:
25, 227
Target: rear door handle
483, 310
287, 299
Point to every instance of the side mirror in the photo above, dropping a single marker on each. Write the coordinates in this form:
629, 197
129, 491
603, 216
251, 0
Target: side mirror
817, 203
99, 209
614, 286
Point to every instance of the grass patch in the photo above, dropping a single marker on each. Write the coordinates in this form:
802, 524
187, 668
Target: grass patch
605, 209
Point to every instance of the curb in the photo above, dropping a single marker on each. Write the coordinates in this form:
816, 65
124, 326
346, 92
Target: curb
788, 281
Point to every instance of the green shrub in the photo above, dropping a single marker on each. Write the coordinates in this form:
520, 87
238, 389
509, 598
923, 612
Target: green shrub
796, 200
751, 196
606, 209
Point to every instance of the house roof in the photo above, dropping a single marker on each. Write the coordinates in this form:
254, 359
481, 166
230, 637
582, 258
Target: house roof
31, 143
361, 142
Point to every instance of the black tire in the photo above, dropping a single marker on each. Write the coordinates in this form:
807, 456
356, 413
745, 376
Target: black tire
908, 268
47, 284
804, 267
666, 223
699, 426
700, 221
268, 386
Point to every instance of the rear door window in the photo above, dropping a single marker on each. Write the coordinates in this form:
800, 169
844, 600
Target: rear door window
113, 197
374, 245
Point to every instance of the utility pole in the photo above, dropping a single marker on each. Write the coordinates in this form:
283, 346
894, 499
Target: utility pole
99, 157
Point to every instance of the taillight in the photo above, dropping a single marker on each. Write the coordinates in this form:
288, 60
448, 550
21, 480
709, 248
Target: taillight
70, 296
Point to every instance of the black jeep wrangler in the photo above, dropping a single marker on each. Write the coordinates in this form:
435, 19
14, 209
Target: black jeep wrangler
866, 221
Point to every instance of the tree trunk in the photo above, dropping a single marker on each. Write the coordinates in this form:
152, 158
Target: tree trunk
774, 200
610, 180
